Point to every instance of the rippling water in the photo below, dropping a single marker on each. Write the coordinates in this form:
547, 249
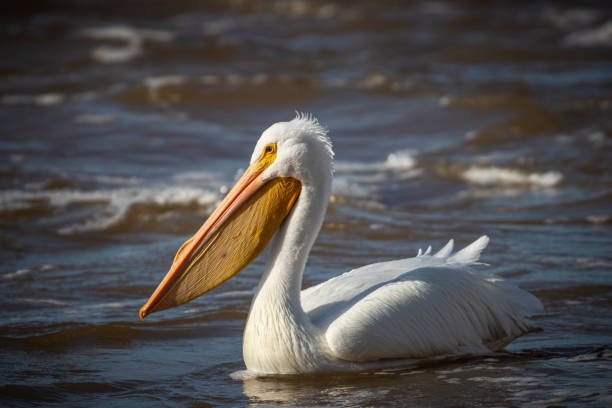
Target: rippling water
122, 126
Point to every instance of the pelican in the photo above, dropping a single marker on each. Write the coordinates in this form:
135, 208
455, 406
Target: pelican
428, 305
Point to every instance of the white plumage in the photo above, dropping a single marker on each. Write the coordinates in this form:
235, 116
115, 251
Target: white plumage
410, 308
416, 307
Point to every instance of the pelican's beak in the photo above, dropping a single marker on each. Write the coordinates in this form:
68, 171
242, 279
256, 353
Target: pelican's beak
230, 239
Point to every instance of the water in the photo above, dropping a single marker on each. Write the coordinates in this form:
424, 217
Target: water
122, 125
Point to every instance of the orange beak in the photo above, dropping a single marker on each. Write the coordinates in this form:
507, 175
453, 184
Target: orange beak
230, 239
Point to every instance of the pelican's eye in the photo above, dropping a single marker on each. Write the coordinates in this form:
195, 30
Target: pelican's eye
268, 156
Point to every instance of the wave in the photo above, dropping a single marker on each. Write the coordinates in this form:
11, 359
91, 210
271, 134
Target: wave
43, 302
45, 99
121, 204
397, 161
186, 87
154, 84
603, 353
48, 99
599, 219
123, 201
22, 273
107, 209
504, 176
17, 274
359, 182
345, 187
591, 37
571, 18
133, 40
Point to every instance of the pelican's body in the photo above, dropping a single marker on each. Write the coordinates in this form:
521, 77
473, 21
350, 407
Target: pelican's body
411, 308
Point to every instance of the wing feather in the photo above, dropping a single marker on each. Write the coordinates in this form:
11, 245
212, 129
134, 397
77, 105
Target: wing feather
418, 307
446, 250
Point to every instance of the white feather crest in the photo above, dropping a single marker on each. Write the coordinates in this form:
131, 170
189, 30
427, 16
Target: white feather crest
471, 253
468, 255
310, 125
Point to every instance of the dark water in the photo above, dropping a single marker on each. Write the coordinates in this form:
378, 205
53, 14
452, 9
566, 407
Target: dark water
122, 125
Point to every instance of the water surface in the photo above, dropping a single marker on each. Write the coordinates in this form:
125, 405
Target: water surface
122, 125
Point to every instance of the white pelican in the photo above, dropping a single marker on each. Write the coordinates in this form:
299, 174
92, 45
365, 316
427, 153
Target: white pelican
410, 308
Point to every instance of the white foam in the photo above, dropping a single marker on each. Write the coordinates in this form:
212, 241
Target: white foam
374, 81
502, 176
126, 33
591, 37
471, 135
564, 139
396, 161
401, 160
571, 18
362, 180
244, 375
604, 354
343, 186
49, 99
46, 99
48, 302
598, 219
370, 82
110, 305
121, 201
597, 138
413, 372
445, 101
132, 38
346, 189
154, 84
116, 203
525, 380
16, 274
107, 54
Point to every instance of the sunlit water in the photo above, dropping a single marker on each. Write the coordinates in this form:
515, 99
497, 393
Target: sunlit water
121, 127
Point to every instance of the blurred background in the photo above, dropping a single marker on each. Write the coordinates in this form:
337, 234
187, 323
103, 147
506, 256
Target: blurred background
122, 124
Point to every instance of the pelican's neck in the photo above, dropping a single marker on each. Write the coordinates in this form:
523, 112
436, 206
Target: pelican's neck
279, 337
290, 247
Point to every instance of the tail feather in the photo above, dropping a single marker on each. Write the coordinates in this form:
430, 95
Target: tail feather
521, 300
446, 250
427, 252
471, 253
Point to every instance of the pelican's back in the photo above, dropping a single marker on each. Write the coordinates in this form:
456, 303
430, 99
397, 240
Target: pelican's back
417, 307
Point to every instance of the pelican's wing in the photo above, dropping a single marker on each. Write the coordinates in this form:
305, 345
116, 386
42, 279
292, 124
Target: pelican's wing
417, 307
328, 297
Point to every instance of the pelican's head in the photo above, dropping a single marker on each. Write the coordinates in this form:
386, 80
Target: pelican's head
299, 149
288, 157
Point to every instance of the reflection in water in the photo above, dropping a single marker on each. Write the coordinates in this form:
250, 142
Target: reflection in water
500, 378
346, 389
